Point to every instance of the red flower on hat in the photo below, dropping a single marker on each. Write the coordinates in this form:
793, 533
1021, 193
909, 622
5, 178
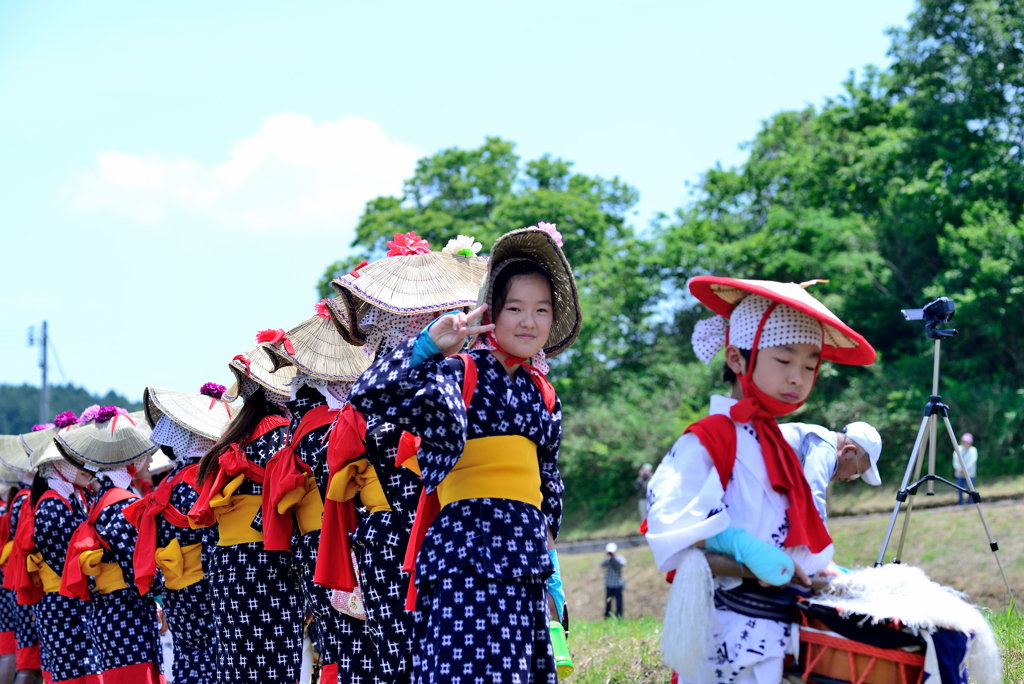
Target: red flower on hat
274, 337
321, 309
407, 244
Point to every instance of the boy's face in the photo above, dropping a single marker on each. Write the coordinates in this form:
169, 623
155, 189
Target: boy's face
786, 372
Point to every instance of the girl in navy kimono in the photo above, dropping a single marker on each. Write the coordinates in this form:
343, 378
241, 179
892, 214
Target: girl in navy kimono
257, 604
60, 507
481, 573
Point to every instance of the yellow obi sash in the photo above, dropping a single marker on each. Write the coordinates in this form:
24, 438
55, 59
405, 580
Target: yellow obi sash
235, 513
182, 565
502, 467
108, 575
42, 574
359, 477
305, 501
6, 552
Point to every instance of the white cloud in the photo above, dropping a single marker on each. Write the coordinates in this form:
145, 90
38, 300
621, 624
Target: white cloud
292, 174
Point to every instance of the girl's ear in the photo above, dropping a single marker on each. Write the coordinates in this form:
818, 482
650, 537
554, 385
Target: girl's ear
735, 361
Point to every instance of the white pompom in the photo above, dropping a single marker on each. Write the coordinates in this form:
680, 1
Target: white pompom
689, 617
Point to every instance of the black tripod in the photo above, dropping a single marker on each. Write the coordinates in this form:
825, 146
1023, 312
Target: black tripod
939, 311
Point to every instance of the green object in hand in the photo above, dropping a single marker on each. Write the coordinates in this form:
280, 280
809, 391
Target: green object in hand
560, 647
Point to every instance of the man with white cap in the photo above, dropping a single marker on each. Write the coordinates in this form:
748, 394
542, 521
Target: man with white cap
614, 583
829, 456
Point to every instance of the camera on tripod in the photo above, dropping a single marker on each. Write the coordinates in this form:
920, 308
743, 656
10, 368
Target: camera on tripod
934, 314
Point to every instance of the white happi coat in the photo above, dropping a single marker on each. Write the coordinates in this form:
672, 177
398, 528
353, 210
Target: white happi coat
687, 505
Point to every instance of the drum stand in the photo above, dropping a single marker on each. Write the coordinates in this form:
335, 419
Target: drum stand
927, 436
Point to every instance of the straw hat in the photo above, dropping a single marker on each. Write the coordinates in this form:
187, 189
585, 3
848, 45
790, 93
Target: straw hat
842, 343
405, 285
320, 352
540, 246
203, 414
13, 453
106, 445
9, 478
259, 370
48, 454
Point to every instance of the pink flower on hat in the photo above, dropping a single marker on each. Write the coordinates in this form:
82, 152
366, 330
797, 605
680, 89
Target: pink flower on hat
407, 244
66, 419
212, 389
549, 228
41, 426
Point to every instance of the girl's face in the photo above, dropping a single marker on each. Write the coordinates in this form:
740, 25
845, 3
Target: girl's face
82, 479
785, 373
524, 322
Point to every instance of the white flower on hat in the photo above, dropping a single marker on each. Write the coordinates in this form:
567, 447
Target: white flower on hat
464, 245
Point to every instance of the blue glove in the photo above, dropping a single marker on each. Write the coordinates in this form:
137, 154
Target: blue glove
425, 347
555, 585
768, 563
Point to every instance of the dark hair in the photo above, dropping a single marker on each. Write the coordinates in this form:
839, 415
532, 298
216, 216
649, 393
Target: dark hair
39, 487
168, 451
255, 409
503, 283
728, 376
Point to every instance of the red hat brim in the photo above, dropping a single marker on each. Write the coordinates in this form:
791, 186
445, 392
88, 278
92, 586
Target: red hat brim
843, 344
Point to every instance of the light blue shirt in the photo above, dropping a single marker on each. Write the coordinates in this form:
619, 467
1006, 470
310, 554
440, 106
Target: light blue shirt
816, 448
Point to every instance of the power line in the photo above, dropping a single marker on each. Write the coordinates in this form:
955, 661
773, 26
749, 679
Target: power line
56, 358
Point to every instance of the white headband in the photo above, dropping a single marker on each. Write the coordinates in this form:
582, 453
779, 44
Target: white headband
785, 325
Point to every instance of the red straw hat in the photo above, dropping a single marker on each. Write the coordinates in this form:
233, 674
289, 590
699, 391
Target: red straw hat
842, 343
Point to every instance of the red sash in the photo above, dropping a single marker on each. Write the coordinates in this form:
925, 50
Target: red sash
333, 561
5, 527
74, 582
142, 515
17, 568
285, 473
429, 506
231, 463
30, 593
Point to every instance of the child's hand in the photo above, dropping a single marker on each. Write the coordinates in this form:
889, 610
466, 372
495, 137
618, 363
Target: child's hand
449, 332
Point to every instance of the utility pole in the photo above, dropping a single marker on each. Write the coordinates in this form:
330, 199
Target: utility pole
44, 396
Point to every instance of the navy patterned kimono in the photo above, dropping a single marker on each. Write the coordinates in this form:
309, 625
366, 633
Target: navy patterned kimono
342, 638
25, 632
379, 543
257, 604
63, 622
481, 608
189, 611
123, 623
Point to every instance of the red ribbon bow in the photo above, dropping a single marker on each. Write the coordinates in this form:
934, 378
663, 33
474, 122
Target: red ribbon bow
275, 337
345, 443
73, 582
142, 515
244, 359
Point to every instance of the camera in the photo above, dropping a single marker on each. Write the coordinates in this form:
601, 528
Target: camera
933, 314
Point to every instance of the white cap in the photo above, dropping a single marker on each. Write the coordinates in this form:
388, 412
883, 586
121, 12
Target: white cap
611, 547
867, 437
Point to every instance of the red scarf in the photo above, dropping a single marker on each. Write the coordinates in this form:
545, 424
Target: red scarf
346, 442
286, 472
74, 582
784, 470
547, 392
142, 515
230, 464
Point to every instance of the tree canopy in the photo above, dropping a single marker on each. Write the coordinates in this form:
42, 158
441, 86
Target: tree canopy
905, 186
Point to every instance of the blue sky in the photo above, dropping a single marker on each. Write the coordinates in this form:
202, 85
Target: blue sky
176, 176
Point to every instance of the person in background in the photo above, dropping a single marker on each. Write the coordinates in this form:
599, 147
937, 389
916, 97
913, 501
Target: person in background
970, 461
614, 582
646, 471
828, 456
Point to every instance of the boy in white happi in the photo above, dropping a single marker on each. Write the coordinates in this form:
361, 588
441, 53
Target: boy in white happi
731, 483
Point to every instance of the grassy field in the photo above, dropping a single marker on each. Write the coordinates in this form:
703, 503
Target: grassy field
948, 543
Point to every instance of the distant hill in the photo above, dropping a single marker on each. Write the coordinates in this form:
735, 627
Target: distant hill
19, 404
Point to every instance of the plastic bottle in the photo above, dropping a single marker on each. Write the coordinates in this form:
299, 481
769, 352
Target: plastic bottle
560, 647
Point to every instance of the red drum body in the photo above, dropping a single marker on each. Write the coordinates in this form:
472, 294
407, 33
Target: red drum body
863, 654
